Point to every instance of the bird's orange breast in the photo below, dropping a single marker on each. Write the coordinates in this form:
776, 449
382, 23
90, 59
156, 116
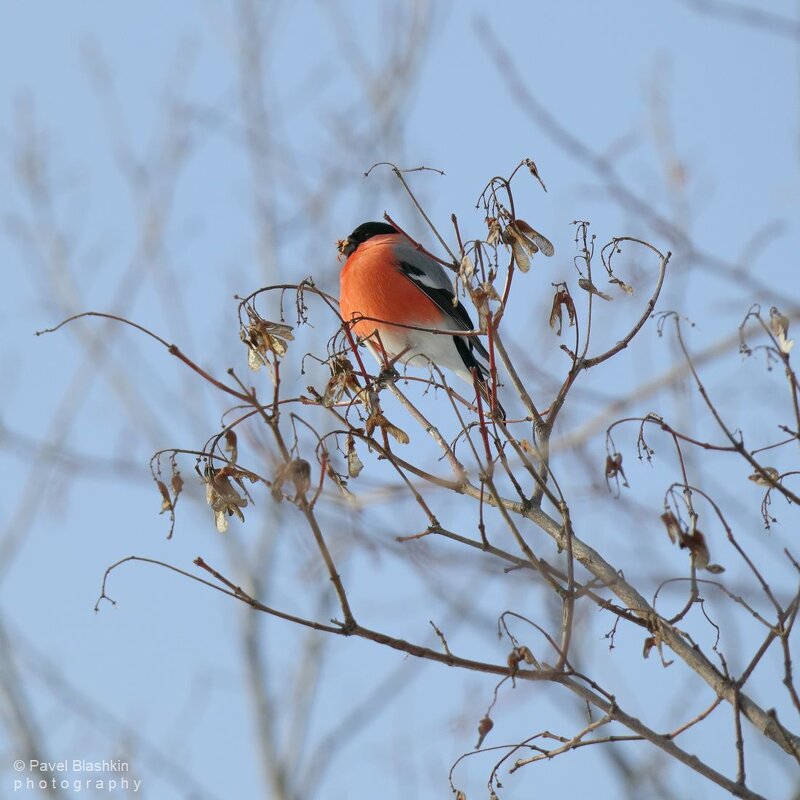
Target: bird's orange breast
371, 285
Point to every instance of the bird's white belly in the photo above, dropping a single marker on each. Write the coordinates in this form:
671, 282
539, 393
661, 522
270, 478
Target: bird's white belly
418, 348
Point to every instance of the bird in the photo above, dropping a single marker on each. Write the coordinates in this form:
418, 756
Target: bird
387, 282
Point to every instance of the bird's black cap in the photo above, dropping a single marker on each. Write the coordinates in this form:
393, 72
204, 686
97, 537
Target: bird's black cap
363, 232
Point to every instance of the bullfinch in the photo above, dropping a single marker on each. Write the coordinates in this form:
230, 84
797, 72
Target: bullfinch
387, 282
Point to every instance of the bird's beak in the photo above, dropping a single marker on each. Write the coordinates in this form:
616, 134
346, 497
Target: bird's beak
345, 247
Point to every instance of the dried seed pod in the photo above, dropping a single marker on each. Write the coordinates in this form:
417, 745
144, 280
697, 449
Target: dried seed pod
222, 496
771, 478
561, 299
525, 242
263, 337
673, 526
527, 655
537, 240
622, 285
343, 379
354, 465
588, 286
166, 500
378, 420
495, 232
779, 325
466, 269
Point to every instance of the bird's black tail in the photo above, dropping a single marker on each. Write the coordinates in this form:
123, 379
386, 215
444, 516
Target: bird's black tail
466, 349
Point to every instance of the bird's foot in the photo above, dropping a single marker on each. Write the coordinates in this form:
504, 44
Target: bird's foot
388, 374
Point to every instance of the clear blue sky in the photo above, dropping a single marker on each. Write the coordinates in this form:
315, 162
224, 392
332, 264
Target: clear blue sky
165, 659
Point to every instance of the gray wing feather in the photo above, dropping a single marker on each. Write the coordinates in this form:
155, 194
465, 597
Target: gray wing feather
433, 280
427, 271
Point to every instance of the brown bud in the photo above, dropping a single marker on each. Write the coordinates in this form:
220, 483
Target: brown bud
300, 473
696, 543
484, 726
513, 660
614, 468
531, 165
231, 445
